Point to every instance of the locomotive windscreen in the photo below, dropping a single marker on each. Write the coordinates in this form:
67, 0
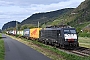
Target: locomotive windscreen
70, 34
69, 31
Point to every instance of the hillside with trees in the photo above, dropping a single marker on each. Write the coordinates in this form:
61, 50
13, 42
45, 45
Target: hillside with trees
79, 17
10, 25
45, 17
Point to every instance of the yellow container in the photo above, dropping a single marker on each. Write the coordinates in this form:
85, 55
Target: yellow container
34, 32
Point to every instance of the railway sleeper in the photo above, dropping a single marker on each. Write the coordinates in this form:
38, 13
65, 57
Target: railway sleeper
80, 53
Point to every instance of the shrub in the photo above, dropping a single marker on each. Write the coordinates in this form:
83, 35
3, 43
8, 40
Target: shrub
84, 34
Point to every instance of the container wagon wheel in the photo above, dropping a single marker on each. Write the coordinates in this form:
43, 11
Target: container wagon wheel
46, 42
27, 38
52, 43
60, 46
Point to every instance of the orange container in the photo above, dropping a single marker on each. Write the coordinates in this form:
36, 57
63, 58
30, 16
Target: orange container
34, 32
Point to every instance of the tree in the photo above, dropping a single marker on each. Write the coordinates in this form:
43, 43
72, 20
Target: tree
27, 26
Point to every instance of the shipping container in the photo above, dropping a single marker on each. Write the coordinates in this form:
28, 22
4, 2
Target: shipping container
21, 33
26, 33
18, 32
14, 32
34, 32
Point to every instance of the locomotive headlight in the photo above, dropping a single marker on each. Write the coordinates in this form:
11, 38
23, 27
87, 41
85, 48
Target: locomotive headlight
59, 34
46, 39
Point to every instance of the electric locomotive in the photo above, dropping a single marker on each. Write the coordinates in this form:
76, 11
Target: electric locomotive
63, 37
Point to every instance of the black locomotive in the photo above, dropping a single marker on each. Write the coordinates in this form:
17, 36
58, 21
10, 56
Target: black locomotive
62, 37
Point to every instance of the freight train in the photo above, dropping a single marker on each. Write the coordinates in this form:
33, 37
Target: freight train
62, 37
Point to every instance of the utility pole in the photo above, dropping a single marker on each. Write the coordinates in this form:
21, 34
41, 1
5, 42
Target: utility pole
16, 27
38, 24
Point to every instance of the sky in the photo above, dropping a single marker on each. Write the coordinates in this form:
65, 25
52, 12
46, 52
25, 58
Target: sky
18, 10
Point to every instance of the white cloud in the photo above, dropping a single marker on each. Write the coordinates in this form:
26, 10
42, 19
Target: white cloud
4, 3
21, 9
28, 2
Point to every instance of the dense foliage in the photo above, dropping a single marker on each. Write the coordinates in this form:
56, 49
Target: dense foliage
27, 26
84, 34
45, 17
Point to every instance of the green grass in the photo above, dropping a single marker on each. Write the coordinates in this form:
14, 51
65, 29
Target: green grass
84, 42
84, 34
2, 50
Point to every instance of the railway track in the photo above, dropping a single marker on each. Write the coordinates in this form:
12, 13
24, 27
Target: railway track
80, 51
83, 51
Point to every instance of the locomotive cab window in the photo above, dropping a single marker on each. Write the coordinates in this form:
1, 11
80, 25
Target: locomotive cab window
73, 31
69, 31
66, 31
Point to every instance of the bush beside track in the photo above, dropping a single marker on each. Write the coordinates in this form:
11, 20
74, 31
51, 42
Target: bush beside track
59, 55
2, 50
84, 34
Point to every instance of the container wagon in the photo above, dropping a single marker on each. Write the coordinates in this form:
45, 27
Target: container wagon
20, 33
34, 33
12, 32
26, 33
